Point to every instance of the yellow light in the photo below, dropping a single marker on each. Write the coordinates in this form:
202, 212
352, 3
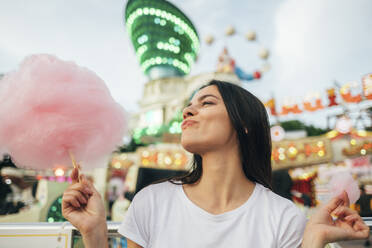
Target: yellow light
145, 162
292, 150
362, 133
305, 176
321, 153
177, 161
353, 142
282, 156
117, 165
320, 143
345, 89
363, 151
59, 172
332, 134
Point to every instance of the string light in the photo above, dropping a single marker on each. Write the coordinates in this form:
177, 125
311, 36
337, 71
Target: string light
169, 17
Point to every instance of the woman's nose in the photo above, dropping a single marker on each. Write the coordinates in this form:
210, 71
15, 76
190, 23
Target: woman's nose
188, 111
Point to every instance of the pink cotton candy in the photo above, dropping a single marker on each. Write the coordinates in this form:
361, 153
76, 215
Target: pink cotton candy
50, 107
344, 181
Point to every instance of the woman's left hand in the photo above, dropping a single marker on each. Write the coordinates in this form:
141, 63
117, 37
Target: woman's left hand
322, 228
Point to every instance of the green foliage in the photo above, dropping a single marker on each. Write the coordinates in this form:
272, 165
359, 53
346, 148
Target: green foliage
173, 127
314, 131
292, 125
131, 147
298, 125
55, 211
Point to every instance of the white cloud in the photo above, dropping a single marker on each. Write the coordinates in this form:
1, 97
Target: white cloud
318, 41
315, 43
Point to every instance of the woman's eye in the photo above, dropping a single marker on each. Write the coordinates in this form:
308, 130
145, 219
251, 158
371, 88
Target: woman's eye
205, 103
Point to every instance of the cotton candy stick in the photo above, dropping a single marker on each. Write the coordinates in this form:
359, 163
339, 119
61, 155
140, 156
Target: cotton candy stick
75, 165
73, 160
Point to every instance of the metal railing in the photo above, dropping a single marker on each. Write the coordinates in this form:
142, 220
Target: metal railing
59, 234
63, 235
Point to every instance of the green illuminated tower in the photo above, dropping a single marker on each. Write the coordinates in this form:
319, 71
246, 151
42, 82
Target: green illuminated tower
165, 40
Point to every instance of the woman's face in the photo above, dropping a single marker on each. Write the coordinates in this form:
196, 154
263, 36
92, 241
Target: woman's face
206, 125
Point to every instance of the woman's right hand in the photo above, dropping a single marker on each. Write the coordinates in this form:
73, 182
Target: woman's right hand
322, 228
82, 205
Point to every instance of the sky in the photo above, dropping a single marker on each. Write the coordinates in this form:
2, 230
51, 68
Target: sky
311, 43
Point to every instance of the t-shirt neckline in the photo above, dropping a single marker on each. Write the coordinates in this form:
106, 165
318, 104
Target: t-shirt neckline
218, 217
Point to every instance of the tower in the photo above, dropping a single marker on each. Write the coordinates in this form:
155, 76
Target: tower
165, 41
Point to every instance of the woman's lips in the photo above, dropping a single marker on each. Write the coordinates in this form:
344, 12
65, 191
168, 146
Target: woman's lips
187, 123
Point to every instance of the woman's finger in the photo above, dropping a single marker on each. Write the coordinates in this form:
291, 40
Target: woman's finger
352, 217
78, 195
82, 187
360, 225
362, 234
341, 211
70, 200
333, 204
345, 198
88, 184
356, 222
353, 221
75, 175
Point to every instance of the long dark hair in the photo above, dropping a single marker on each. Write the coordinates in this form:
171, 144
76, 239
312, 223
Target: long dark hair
249, 118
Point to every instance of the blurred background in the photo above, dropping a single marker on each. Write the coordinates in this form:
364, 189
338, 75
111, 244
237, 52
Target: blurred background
309, 62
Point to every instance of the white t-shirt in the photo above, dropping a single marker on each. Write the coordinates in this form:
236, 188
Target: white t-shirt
161, 215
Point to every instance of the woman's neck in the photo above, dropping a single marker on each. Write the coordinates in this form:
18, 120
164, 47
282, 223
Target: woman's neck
223, 185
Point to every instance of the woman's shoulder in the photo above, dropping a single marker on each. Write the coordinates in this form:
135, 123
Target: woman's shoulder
284, 215
158, 191
161, 187
279, 204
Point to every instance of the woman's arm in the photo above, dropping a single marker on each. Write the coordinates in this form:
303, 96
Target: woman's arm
322, 228
97, 238
83, 207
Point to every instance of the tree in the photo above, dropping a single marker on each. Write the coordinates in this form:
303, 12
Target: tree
298, 125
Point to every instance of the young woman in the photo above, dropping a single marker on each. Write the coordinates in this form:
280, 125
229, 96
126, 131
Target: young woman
226, 199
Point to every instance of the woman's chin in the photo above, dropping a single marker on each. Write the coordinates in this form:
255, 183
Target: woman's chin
190, 146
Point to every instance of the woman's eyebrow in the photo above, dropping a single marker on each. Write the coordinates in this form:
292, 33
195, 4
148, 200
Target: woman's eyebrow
207, 95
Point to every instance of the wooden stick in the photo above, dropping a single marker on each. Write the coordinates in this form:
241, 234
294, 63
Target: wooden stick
76, 166
73, 160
